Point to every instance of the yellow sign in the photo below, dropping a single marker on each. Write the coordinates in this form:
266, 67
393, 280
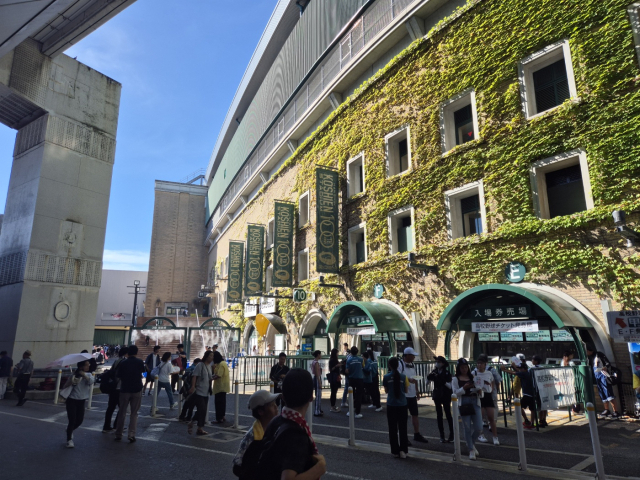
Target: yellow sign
262, 324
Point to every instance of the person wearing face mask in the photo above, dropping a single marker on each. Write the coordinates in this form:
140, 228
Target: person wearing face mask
441, 378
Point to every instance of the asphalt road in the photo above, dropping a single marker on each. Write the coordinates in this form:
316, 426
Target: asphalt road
34, 447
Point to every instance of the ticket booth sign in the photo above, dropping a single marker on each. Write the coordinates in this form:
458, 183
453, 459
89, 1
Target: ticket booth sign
505, 326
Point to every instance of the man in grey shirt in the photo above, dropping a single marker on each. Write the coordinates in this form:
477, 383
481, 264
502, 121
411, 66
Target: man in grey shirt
24, 368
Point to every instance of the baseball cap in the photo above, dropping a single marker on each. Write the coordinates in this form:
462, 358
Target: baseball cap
410, 351
516, 361
261, 398
27, 352
440, 359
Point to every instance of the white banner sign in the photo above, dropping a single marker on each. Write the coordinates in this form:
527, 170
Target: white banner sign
505, 326
267, 305
624, 326
361, 331
250, 309
556, 387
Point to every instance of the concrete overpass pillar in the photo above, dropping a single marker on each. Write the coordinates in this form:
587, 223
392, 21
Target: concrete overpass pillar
53, 231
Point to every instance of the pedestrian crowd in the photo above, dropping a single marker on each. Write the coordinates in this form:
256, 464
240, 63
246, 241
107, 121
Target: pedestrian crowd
279, 443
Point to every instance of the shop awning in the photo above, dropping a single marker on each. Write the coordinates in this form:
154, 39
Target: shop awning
264, 319
559, 310
383, 317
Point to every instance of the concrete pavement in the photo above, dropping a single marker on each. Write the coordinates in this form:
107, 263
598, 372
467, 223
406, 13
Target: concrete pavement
164, 446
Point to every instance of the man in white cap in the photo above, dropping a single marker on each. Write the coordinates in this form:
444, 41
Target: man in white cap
264, 409
407, 368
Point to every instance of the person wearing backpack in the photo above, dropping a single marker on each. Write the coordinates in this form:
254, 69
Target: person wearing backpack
602, 370
441, 378
288, 449
371, 380
164, 377
408, 368
113, 390
355, 371
81, 383
189, 400
264, 409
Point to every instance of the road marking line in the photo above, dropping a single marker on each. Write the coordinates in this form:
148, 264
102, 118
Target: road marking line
154, 431
584, 463
55, 417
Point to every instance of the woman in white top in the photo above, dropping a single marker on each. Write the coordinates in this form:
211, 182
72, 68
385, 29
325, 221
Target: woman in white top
485, 381
82, 383
164, 377
463, 386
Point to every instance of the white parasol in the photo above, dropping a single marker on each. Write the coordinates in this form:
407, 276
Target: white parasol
70, 359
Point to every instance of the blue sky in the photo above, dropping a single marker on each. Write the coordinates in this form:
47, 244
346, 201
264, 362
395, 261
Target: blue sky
179, 67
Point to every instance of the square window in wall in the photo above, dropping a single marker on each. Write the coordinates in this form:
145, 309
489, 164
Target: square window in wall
401, 231
466, 214
269, 278
398, 151
270, 233
357, 244
303, 265
546, 79
303, 210
458, 120
561, 185
355, 175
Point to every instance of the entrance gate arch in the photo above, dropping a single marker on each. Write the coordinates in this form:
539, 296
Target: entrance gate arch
159, 325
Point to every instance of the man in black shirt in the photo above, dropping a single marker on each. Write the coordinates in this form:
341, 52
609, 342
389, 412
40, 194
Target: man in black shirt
130, 374
289, 449
278, 372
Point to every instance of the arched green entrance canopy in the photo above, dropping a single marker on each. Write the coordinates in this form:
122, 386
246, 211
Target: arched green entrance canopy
562, 313
383, 318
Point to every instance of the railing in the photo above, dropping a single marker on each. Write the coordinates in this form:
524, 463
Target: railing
375, 19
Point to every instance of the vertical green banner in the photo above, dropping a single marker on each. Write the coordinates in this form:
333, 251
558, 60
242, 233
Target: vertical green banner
255, 260
234, 285
283, 245
327, 246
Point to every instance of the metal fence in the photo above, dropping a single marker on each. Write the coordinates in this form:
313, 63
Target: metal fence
375, 19
255, 371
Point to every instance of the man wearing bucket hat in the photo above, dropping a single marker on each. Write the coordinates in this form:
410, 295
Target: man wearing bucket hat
407, 368
264, 409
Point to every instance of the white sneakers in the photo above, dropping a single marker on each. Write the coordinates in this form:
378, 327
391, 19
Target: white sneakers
482, 439
70, 444
371, 406
472, 455
403, 455
379, 409
357, 415
174, 405
496, 441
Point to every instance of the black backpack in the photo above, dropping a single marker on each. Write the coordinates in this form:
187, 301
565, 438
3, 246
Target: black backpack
266, 455
108, 381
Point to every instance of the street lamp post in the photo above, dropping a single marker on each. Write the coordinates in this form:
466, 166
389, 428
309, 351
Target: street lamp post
136, 289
